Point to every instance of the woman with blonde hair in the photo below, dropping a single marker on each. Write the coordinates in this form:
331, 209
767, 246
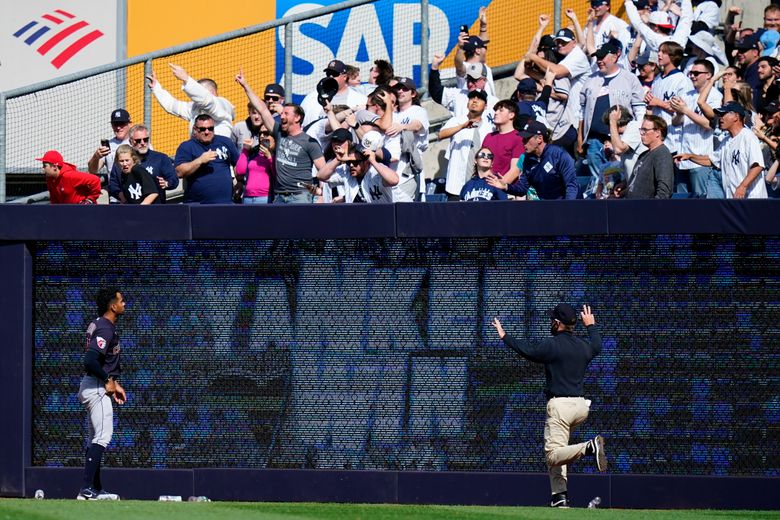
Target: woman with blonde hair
138, 186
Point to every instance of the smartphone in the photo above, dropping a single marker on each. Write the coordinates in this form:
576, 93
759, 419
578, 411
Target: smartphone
105, 143
464, 29
266, 143
306, 185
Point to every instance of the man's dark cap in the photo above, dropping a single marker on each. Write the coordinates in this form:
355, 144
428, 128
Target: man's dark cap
478, 93
336, 66
615, 43
547, 42
532, 128
605, 49
341, 135
596, 3
120, 115
731, 106
275, 89
747, 43
474, 43
771, 108
407, 82
526, 86
564, 313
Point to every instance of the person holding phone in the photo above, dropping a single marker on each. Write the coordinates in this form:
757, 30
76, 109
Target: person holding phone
255, 167
103, 157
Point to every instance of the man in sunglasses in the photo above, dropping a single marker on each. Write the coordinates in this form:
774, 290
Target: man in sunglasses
159, 166
250, 127
345, 95
548, 168
364, 178
205, 161
697, 135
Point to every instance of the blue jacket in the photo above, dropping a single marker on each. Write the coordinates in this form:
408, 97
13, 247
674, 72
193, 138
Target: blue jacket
157, 164
552, 175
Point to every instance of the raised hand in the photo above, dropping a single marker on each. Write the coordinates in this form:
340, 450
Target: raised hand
152, 78
179, 72
587, 316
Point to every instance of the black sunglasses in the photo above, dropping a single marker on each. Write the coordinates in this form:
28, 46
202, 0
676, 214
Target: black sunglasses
272, 98
695, 73
484, 155
141, 140
332, 73
204, 128
354, 162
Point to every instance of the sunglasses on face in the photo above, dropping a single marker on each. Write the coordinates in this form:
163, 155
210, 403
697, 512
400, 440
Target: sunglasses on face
332, 74
265, 133
484, 155
354, 162
696, 73
141, 140
204, 128
273, 99
401, 88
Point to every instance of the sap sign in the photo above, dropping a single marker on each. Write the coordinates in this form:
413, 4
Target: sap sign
386, 29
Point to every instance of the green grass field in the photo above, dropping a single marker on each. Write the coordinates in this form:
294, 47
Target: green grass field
19, 509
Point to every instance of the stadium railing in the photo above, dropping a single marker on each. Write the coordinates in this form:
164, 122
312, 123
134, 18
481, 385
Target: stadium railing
70, 113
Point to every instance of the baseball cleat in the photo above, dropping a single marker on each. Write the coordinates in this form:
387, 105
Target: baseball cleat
105, 495
87, 493
598, 451
559, 500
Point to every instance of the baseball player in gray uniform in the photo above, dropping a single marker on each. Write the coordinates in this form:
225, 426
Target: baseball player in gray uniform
99, 385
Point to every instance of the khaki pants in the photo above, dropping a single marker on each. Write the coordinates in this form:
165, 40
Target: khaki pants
563, 415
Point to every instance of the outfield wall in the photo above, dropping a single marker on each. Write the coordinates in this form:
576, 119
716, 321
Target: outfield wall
345, 353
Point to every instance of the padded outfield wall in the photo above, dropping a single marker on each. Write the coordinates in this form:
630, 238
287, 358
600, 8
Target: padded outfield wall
346, 353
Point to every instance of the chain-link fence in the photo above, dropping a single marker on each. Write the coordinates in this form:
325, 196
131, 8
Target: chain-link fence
380, 354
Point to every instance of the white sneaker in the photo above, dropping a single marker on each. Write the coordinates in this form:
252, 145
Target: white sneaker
105, 495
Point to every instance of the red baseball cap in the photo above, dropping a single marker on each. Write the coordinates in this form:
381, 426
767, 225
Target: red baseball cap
53, 157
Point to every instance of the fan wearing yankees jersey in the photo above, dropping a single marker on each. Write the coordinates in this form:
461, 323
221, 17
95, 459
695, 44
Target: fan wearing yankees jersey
364, 178
671, 83
138, 187
411, 123
739, 157
99, 385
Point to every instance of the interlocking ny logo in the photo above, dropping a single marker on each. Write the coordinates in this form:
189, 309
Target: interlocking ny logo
67, 26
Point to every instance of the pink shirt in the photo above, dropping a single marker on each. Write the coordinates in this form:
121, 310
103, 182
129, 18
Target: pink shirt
504, 147
260, 169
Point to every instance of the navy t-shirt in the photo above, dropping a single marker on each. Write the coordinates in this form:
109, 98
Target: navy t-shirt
212, 182
477, 189
598, 130
102, 337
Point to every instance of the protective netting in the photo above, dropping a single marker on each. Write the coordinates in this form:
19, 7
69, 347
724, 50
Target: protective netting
379, 354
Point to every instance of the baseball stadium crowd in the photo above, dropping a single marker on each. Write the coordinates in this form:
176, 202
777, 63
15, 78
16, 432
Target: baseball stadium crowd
655, 108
